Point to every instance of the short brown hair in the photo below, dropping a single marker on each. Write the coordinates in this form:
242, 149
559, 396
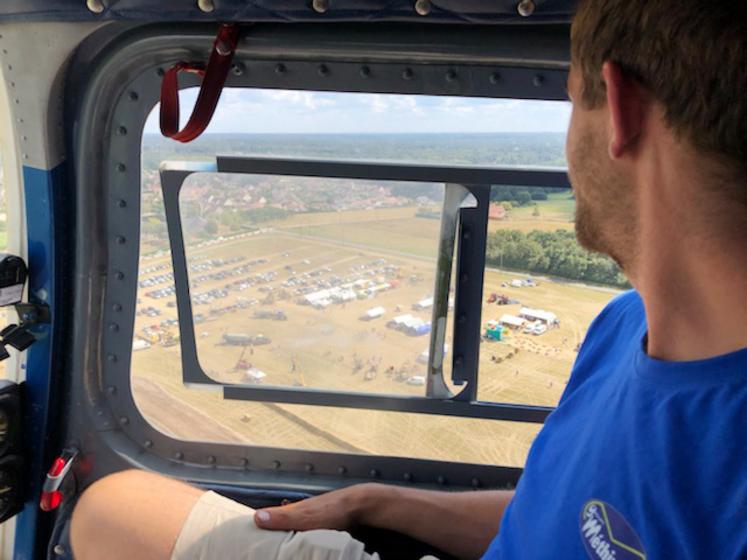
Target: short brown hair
691, 55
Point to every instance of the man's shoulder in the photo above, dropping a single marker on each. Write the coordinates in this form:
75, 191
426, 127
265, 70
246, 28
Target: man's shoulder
625, 306
623, 316
617, 330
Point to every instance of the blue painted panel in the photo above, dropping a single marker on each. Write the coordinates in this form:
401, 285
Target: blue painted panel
48, 226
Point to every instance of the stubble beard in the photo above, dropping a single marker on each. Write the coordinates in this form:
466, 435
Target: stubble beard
606, 221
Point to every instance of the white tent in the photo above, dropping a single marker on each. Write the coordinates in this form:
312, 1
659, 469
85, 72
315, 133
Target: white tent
401, 320
512, 321
416, 380
375, 312
253, 375
538, 315
140, 344
425, 354
424, 303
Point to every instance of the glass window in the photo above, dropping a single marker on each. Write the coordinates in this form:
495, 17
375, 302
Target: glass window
541, 292
321, 282
163, 400
371, 127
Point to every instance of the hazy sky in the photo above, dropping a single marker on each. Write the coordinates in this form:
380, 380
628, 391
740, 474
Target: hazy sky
284, 111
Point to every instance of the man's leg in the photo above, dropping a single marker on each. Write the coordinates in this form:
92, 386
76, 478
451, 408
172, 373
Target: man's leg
131, 515
136, 515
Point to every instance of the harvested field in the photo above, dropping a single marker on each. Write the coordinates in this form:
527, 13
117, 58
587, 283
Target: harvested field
332, 348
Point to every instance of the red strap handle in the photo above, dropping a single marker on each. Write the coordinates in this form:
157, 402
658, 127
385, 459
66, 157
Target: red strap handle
214, 77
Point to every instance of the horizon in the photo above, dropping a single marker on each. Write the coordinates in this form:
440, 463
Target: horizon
271, 111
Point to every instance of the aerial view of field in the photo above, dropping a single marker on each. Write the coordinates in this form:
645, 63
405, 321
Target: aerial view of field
331, 288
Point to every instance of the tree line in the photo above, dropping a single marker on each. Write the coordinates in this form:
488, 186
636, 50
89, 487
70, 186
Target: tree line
521, 196
236, 220
555, 253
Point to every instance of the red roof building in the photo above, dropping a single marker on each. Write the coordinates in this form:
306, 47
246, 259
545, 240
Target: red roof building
496, 212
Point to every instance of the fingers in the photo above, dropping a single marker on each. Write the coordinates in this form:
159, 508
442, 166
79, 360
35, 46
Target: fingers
273, 519
328, 511
294, 517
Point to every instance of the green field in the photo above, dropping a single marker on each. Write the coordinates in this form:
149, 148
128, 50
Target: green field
555, 213
559, 207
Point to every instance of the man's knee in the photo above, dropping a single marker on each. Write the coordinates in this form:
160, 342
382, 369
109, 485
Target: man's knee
97, 498
131, 512
92, 520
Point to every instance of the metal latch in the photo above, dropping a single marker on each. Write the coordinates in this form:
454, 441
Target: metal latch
52, 496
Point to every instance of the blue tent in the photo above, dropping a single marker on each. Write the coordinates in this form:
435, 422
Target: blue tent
422, 329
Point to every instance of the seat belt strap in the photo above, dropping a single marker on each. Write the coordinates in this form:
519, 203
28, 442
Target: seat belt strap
213, 78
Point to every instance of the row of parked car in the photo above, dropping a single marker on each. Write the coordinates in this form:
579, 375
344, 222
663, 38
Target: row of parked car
155, 280
205, 298
161, 292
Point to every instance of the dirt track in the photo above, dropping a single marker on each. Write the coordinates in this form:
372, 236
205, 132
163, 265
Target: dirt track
175, 417
181, 420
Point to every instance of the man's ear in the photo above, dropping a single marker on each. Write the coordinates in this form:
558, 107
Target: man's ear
625, 101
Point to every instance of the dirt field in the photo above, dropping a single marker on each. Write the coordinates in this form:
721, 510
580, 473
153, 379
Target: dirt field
332, 348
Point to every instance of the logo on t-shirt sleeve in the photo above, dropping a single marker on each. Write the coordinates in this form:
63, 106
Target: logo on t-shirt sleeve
606, 535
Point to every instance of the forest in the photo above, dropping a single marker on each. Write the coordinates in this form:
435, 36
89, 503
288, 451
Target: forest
521, 196
555, 253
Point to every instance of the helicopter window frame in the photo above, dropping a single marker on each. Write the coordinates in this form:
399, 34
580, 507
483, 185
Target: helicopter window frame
119, 96
462, 227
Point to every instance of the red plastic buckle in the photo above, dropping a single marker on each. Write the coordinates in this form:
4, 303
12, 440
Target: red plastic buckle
213, 78
51, 496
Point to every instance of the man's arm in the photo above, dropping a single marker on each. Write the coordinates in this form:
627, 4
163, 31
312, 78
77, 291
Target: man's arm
460, 523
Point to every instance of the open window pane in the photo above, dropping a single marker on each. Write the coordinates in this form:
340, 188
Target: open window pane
334, 126
311, 282
420, 129
541, 292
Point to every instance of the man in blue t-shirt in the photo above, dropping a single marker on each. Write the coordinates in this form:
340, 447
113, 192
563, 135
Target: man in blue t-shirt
643, 457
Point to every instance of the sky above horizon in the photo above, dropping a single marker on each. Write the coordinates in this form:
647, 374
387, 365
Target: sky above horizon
288, 111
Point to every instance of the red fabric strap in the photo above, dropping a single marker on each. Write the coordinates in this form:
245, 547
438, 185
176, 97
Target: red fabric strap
213, 77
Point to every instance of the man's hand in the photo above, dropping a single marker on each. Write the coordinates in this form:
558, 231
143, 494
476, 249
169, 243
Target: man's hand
339, 510
460, 523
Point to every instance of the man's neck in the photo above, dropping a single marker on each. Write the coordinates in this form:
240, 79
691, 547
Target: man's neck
691, 272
